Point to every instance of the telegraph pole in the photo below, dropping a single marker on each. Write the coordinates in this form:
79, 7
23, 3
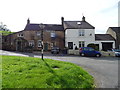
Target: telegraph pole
42, 28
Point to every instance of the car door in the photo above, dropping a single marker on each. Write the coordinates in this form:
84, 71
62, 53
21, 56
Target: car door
92, 52
86, 51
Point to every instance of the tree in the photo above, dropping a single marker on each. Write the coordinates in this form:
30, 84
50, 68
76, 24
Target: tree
3, 27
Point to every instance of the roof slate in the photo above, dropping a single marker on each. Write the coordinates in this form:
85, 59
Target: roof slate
103, 37
47, 27
75, 25
116, 29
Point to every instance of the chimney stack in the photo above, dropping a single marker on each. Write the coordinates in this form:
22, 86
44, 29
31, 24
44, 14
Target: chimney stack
83, 18
62, 20
28, 21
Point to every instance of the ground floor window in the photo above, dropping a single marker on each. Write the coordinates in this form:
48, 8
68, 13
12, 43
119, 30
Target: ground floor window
39, 43
31, 43
81, 44
53, 44
70, 45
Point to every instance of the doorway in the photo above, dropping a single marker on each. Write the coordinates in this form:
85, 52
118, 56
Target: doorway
46, 46
70, 45
107, 45
19, 46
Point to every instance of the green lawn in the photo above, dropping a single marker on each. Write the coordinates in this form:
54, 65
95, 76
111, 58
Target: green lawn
28, 72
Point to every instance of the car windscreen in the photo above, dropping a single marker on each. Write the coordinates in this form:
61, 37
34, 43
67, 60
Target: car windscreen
117, 50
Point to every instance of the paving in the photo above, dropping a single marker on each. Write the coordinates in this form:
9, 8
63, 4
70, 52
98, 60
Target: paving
103, 69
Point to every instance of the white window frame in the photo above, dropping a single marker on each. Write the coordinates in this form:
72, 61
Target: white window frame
82, 32
20, 35
53, 34
38, 33
39, 43
31, 43
53, 44
82, 44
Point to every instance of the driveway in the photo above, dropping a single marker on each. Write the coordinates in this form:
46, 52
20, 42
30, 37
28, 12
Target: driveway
103, 69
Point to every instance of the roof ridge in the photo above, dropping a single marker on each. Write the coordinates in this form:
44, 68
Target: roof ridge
43, 24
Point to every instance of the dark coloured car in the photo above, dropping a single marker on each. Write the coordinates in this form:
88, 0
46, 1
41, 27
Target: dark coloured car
55, 50
116, 51
88, 51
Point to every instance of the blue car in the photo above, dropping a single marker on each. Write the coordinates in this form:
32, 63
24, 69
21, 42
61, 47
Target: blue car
88, 51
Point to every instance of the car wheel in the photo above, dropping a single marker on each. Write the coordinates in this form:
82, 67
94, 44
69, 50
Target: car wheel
98, 55
82, 54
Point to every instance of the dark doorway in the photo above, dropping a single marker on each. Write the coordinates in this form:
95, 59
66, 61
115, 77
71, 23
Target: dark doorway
19, 45
46, 46
70, 45
107, 45
97, 47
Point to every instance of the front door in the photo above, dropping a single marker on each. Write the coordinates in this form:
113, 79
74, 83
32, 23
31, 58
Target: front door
19, 46
46, 46
70, 45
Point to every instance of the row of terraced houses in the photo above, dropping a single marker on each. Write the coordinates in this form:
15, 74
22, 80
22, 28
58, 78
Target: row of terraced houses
68, 34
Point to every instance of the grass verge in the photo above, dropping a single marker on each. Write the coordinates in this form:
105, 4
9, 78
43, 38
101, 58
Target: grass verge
29, 72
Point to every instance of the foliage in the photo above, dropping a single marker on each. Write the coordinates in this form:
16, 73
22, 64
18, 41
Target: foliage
3, 27
29, 72
93, 46
4, 33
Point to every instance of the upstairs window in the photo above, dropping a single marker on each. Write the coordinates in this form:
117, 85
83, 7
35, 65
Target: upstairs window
20, 35
38, 33
53, 35
81, 32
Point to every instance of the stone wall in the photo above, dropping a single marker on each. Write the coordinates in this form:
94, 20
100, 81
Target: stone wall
10, 40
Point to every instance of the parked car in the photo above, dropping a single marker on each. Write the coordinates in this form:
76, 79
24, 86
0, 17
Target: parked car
55, 50
88, 51
116, 51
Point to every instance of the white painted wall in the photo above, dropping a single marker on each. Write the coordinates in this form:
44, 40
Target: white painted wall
72, 35
100, 44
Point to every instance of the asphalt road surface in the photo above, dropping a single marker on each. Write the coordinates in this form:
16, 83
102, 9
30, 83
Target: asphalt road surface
103, 69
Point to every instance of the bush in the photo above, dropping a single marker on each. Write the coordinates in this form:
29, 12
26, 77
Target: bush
92, 45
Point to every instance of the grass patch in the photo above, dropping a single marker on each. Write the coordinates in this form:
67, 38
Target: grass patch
29, 72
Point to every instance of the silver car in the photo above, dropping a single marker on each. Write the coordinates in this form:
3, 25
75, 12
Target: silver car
55, 50
116, 51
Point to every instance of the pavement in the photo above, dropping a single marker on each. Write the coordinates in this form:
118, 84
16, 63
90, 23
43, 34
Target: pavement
103, 69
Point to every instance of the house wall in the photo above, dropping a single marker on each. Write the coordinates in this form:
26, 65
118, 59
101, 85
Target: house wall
32, 35
118, 41
116, 36
72, 35
112, 33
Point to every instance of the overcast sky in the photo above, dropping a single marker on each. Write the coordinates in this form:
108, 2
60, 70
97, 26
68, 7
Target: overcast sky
99, 13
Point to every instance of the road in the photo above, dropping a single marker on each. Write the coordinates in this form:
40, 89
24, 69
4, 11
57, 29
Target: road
103, 69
